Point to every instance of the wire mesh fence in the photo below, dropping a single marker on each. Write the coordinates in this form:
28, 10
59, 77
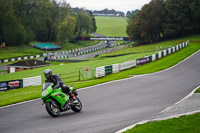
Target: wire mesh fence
84, 73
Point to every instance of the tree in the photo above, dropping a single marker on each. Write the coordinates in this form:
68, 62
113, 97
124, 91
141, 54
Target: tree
128, 13
66, 30
84, 24
146, 25
93, 21
151, 20
22, 21
11, 31
133, 27
195, 13
177, 19
164, 19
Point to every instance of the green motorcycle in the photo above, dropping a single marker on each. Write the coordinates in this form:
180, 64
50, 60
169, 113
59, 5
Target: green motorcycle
56, 101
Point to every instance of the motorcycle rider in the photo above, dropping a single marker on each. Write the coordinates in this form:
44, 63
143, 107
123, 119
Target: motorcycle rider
57, 81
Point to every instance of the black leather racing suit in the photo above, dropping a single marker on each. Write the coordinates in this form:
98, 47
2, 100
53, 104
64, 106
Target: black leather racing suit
57, 81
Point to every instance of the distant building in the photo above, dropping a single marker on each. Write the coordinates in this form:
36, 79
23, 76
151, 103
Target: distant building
26, 65
107, 12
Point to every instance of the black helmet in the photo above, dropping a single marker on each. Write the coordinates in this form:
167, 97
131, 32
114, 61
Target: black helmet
48, 73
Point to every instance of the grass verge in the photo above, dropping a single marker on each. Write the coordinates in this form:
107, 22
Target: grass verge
29, 93
184, 124
197, 91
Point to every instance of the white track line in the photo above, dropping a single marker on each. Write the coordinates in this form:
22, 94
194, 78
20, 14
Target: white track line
185, 98
19, 103
163, 118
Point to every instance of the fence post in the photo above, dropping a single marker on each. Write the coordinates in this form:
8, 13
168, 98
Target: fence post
79, 75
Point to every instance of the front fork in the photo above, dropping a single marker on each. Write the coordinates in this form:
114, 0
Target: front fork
48, 100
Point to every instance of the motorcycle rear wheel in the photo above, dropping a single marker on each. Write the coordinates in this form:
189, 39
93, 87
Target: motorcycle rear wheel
77, 107
52, 110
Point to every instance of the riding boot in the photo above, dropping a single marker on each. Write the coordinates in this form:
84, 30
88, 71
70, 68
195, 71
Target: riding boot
72, 96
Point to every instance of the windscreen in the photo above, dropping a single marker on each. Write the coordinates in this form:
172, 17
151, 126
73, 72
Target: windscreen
46, 85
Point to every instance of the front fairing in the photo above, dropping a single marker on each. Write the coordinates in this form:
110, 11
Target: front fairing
71, 88
46, 90
49, 93
60, 97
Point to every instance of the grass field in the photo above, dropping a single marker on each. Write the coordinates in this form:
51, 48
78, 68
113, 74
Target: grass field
16, 51
184, 124
28, 93
23, 50
111, 26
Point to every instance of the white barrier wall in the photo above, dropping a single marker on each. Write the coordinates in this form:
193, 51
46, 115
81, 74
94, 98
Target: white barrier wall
177, 47
169, 50
159, 55
32, 81
100, 71
153, 57
165, 52
127, 65
115, 68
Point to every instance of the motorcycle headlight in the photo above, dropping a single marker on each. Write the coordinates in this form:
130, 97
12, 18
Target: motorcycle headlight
44, 93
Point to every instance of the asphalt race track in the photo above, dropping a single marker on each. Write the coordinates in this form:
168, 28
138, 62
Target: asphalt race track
109, 107
94, 54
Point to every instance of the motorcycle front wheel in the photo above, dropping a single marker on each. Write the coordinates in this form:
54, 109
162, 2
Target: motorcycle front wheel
52, 110
77, 107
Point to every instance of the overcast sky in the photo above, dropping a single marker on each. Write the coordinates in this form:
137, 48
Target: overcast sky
119, 5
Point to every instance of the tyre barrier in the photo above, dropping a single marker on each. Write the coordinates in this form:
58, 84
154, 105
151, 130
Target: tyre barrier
22, 58
106, 70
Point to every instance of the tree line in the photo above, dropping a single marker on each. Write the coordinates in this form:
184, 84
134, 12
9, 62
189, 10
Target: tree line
164, 19
23, 21
107, 12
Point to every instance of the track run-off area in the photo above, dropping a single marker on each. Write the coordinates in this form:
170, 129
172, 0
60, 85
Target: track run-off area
111, 106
